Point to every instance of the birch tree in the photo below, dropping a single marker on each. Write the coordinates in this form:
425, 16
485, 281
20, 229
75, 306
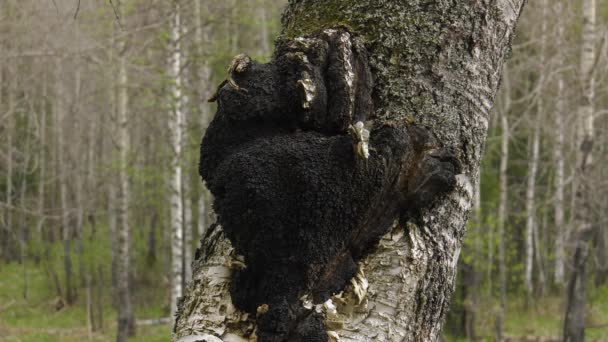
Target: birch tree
126, 324
558, 155
203, 76
502, 205
574, 322
60, 112
531, 220
176, 122
440, 65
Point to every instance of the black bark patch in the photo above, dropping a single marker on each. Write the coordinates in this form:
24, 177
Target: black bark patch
292, 196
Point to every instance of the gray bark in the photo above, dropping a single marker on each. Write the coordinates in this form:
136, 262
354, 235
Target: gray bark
558, 152
62, 169
126, 324
574, 322
9, 231
438, 64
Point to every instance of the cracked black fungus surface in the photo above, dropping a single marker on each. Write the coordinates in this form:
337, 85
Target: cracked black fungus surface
290, 193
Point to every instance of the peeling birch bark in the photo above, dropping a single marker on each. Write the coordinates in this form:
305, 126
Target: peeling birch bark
437, 64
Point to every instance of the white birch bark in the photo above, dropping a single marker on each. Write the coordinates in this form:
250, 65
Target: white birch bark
531, 219
558, 156
411, 275
502, 205
175, 188
187, 233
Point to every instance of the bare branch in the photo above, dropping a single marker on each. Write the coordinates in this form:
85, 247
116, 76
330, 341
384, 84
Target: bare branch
56, 8
78, 9
116, 14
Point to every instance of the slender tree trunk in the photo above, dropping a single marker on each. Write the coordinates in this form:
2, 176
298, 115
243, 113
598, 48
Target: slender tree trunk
574, 322
79, 179
61, 112
99, 302
42, 159
440, 63
203, 75
502, 206
187, 234
531, 219
24, 229
176, 120
558, 156
113, 231
9, 230
530, 201
126, 322
112, 188
470, 278
264, 39
4, 227
151, 255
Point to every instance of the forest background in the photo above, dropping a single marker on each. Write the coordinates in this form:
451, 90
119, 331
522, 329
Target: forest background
102, 108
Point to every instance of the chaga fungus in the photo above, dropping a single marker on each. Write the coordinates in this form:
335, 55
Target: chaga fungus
295, 190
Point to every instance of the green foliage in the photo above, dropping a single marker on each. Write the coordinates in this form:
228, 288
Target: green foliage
36, 318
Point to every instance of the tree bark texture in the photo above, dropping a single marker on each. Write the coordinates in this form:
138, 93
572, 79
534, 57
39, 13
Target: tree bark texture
176, 123
576, 295
126, 324
558, 153
436, 68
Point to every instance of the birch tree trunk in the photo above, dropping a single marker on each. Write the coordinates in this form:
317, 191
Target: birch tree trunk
264, 48
558, 155
126, 322
4, 227
9, 229
187, 233
62, 169
203, 75
574, 322
175, 128
439, 64
42, 158
502, 206
531, 220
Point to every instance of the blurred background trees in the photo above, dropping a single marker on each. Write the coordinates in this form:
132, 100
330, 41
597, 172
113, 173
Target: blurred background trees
102, 107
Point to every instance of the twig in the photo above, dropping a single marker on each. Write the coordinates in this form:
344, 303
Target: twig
56, 8
116, 14
77, 10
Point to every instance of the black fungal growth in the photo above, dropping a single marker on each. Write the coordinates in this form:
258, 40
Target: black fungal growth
290, 192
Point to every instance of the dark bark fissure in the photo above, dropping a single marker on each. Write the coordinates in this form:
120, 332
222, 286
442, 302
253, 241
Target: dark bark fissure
300, 198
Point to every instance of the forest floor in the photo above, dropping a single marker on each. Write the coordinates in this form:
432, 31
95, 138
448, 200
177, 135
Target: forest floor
542, 320
37, 319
